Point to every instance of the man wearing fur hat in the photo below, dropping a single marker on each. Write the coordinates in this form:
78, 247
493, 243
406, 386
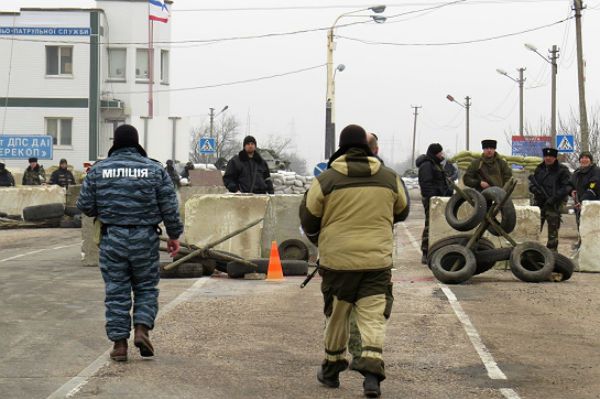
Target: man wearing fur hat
432, 182
490, 170
585, 183
349, 212
550, 186
130, 195
247, 172
34, 174
6, 178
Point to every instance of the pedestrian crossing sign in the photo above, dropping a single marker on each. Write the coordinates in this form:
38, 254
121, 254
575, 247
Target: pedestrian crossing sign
565, 143
207, 145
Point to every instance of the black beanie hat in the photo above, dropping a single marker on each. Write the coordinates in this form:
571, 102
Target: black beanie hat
63, 161
33, 159
126, 136
488, 144
249, 139
434, 148
550, 152
353, 136
2, 166
586, 154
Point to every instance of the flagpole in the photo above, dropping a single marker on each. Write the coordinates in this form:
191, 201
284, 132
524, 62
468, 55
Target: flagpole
150, 64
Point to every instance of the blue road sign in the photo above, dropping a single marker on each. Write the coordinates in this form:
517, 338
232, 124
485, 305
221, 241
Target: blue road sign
565, 143
207, 145
530, 145
321, 166
25, 146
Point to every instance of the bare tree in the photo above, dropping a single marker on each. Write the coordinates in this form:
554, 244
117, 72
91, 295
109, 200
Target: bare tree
226, 135
284, 149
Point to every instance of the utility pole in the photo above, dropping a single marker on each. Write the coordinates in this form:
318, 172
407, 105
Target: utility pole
583, 121
416, 107
521, 82
553, 57
212, 120
467, 106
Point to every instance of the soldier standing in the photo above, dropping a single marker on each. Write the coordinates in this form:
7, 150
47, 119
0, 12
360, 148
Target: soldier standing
489, 170
6, 178
356, 191
34, 174
550, 186
62, 176
585, 184
130, 194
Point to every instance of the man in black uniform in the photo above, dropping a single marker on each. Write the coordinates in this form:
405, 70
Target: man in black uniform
550, 186
6, 178
247, 172
432, 181
62, 176
585, 184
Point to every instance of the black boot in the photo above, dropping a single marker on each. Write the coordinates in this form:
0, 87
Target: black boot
142, 340
371, 386
332, 382
424, 259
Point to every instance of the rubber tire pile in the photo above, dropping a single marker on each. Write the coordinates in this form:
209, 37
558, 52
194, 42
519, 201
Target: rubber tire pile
452, 262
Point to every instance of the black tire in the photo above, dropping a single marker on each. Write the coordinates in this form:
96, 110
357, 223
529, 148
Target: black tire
474, 218
444, 258
41, 212
3, 215
70, 223
72, 211
488, 258
221, 265
563, 268
289, 267
507, 212
532, 262
185, 270
483, 244
293, 249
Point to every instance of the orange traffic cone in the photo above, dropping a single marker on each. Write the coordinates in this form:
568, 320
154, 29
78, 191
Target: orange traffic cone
274, 272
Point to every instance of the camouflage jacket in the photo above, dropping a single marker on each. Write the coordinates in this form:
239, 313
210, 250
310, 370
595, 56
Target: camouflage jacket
35, 176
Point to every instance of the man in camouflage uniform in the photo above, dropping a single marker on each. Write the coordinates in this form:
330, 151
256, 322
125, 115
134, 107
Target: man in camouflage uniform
34, 174
130, 194
489, 170
550, 186
356, 191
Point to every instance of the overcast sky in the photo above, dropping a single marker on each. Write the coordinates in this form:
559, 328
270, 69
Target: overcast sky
380, 82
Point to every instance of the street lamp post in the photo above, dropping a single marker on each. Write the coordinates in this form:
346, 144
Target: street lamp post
552, 61
467, 107
520, 81
330, 97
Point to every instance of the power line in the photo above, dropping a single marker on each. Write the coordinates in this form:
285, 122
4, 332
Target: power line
209, 86
487, 39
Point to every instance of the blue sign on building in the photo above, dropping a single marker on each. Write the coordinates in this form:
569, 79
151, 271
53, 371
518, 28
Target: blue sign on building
25, 146
565, 143
322, 166
43, 31
207, 145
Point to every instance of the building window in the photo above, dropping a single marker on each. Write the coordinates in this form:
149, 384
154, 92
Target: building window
141, 64
60, 129
164, 66
117, 63
59, 60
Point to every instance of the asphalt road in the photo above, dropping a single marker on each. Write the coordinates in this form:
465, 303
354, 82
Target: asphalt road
493, 337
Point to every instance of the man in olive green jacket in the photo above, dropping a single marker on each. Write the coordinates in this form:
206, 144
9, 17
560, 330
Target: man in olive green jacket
489, 170
349, 212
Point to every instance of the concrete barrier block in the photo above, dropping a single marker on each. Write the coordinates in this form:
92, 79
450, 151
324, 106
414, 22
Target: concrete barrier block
89, 249
72, 195
282, 223
589, 228
186, 192
14, 199
210, 217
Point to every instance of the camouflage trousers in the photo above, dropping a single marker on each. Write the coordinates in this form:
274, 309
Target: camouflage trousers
129, 261
369, 296
552, 216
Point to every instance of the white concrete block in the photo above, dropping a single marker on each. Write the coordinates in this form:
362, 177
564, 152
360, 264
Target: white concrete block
589, 228
14, 199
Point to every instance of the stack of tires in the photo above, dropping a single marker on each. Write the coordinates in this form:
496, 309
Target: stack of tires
53, 215
452, 262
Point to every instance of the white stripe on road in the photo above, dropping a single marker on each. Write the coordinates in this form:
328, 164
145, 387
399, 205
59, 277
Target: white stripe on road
486, 357
36, 251
75, 384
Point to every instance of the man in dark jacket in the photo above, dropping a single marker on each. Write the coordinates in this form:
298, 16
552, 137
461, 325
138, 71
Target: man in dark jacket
550, 186
62, 176
34, 174
432, 182
175, 178
6, 178
585, 183
130, 195
349, 212
247, 172
489, 170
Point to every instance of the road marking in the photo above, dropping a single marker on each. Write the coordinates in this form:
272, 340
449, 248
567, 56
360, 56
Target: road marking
486, 357
75, 384
36, 251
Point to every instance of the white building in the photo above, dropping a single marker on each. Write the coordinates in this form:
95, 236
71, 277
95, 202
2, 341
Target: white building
75, 74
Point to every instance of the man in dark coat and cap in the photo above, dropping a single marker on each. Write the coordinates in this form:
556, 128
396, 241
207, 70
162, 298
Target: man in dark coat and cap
62, 176
550, 186
34, 174
490, 170
131, 195
6, 178
585, 184
247, 172
433, 183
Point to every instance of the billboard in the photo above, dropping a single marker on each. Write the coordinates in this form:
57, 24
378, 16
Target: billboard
530, 145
